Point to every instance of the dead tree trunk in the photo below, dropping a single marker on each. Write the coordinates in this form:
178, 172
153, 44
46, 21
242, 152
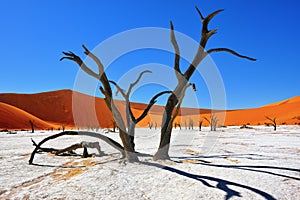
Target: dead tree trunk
183, 79
273, 122
31, 122
200, 125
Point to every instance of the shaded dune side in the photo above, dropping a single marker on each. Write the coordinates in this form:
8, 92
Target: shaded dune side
15, 118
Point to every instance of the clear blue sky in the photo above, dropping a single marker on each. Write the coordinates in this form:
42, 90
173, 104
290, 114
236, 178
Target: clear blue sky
34, 33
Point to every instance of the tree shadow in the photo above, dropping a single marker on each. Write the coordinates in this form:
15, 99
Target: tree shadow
221, 184
254, 168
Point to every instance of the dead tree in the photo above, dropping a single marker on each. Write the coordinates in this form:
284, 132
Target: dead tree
150, 125
183, 79
107, 92
114, 126
273, 122
125, 135
191, 124
212, 121
31, 122
200, 125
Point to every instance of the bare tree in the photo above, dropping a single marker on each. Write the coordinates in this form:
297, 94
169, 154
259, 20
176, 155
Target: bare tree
31, 122
150, 125
273, 122
114, 126
191, 124
184, 77
127, 136
212, 121
200, 125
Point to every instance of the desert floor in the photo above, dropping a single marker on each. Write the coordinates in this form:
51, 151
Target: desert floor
231, 163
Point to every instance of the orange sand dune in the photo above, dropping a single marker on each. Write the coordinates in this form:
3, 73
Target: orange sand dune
56, 108
15, 118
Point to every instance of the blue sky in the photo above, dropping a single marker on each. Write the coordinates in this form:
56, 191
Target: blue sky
34, 33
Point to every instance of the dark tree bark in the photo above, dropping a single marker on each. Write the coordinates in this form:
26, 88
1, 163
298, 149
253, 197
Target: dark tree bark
200, 125
183, 79
31, 122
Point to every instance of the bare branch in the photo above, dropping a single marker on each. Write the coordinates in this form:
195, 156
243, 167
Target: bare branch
71, 56
230, 51
95, 58
137, 80
119, 89
177, 52
151, 103
200, 14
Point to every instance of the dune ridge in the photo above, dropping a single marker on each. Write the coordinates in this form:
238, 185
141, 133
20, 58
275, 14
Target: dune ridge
55, 109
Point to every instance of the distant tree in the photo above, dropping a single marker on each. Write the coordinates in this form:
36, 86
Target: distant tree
114, 123
212, 121
273, 122
200, 125
31, 122
150, 125
191, 124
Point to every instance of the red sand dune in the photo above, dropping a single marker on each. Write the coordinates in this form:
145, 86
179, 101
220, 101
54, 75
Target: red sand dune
55, 109
15, 118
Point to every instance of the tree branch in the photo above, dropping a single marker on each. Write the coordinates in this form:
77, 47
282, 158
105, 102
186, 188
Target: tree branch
95, 58
119, 89
151, 103
177, 52
205, 35
229, 51
137, 80
71, 56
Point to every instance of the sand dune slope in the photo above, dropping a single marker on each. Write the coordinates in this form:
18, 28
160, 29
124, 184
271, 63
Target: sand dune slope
74, 109
15, 118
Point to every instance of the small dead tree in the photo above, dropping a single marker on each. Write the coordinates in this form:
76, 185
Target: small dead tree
200, 125
191, 124
31, 122
183, 79
212, 121
273, 122
114, 126
150, 125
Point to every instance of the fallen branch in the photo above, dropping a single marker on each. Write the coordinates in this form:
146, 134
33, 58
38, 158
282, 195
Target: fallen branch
106, 139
